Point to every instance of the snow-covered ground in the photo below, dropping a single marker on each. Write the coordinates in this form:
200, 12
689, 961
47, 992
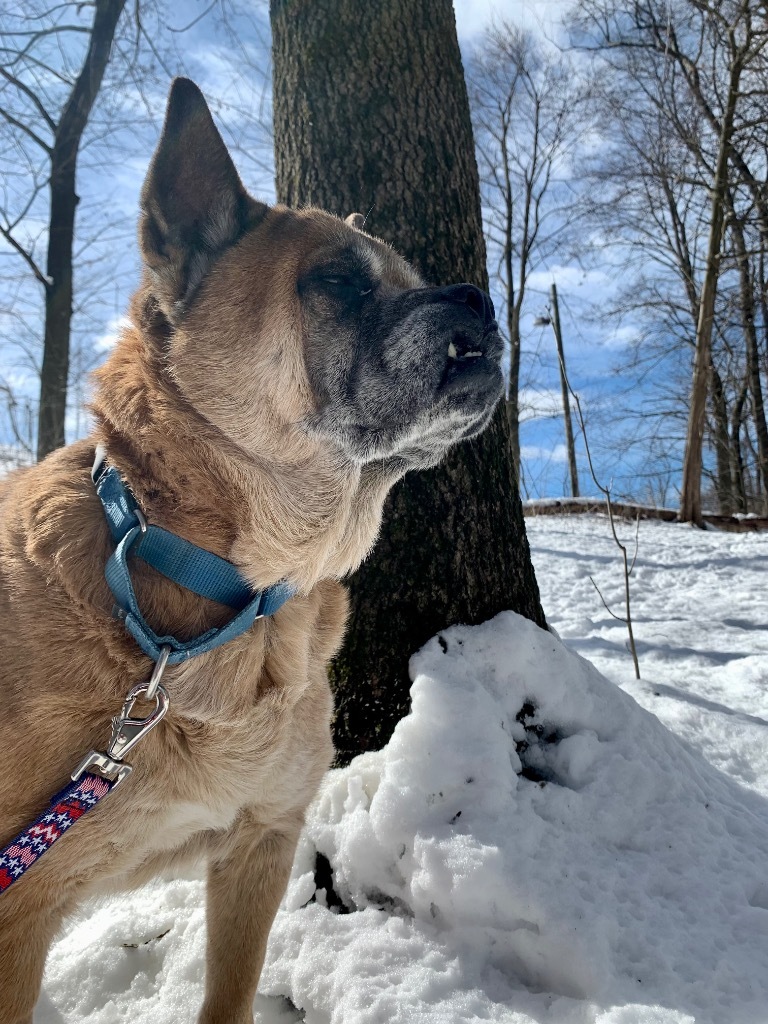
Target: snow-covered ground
533, 846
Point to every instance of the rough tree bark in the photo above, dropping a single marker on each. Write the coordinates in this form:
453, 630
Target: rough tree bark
371, 115
61, 227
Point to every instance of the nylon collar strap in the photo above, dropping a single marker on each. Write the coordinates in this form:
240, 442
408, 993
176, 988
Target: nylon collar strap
186, 564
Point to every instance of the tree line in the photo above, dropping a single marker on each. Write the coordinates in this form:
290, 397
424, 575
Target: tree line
638, 143
643, 142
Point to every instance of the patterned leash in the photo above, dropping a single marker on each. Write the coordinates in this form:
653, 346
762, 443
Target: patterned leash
86, 788
65, 808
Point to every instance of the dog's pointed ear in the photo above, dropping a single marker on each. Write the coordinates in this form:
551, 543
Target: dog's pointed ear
193, 203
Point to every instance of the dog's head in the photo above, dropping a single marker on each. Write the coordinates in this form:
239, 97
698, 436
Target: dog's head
286, 324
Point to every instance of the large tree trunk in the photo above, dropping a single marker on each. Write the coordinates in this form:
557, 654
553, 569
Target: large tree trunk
61, 227
371, 115
513, 313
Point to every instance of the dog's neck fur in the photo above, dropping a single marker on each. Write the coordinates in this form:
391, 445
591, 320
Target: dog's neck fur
314, 515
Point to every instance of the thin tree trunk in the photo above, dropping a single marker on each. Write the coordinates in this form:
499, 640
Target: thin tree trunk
737, 462
515, 298
747, 299
569, 442
751, 480
61, 228
371, 115
513, 388
762, 277
690, 498
513, 312
722, 445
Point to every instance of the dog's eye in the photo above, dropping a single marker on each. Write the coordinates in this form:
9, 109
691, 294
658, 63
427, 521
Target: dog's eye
348, 284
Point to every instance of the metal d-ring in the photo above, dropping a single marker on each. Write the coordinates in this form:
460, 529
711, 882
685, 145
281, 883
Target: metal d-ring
157, 672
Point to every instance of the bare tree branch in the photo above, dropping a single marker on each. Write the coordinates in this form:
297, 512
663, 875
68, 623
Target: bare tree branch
25, 256
26, 129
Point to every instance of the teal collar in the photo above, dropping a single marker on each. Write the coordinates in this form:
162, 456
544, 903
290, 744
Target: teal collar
186, 564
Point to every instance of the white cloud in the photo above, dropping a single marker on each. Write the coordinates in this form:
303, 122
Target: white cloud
472, 16
539, 403
622, 337
532, 452
567, 278
21, 381
107, 341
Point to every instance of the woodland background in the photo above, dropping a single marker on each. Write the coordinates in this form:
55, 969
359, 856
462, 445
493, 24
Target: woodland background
622, 150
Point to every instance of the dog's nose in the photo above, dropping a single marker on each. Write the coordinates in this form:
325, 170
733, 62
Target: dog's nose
479, 302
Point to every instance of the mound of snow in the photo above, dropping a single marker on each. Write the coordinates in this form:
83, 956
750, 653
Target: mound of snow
529, 828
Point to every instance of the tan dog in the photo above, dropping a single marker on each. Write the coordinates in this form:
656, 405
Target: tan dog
282, 369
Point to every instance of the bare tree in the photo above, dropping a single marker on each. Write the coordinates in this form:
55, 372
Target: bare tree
79, 80
53, 117
690, 498
748, 305
525, 114
697, 67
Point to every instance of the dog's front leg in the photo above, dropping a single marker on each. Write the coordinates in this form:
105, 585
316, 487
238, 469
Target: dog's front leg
27, 927
245, 886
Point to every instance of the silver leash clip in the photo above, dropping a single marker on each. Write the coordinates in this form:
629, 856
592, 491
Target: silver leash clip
127, 730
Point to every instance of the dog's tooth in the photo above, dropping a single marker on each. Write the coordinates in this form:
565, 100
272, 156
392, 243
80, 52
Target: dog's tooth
451, 350
472, 355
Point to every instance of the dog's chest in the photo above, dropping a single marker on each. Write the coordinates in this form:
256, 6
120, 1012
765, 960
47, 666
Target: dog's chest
184, 819
202, 778
229, 769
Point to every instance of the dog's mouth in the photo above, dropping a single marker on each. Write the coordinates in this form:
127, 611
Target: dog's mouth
473, 361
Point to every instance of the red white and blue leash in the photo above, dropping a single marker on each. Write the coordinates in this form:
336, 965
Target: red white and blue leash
64, 810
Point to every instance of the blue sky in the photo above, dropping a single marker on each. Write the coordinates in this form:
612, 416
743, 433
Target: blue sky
112, 184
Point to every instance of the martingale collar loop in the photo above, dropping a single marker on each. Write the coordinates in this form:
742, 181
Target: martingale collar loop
191, 567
